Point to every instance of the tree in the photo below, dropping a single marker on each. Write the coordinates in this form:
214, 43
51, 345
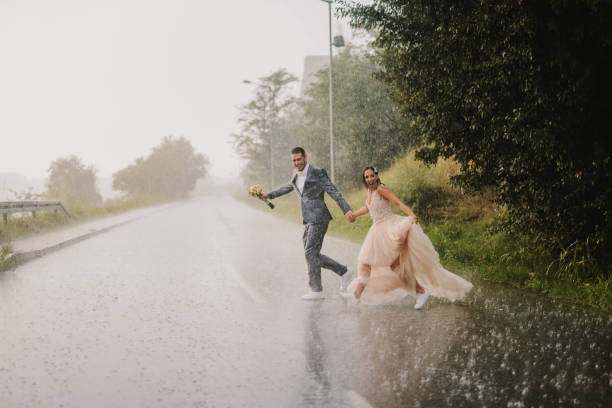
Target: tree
262, 139
73, 183
517, 92
171, 170
368, 129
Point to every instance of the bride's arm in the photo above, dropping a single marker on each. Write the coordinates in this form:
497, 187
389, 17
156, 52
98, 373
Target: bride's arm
388, 194
363, 210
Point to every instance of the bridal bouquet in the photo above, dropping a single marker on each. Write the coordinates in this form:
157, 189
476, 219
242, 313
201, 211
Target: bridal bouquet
255, 191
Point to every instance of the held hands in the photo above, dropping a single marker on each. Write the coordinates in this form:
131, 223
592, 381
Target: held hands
350, 217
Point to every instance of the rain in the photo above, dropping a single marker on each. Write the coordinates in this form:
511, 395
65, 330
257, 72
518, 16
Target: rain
139, 266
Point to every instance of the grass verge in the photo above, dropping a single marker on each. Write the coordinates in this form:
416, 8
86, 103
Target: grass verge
6, 261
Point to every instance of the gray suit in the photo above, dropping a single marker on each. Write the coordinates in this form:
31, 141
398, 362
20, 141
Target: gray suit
315, 217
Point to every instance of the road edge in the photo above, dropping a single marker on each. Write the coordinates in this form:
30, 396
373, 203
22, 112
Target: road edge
18, 258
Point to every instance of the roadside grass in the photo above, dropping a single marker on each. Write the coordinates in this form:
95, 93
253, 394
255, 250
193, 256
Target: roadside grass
6, 261
460, 228
23, 225
471, 247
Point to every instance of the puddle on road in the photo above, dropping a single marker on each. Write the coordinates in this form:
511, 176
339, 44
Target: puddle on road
497, 348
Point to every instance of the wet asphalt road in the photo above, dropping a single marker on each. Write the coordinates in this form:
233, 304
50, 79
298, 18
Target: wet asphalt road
198, 306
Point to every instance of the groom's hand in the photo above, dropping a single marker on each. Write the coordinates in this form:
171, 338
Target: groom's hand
264, 195
349, 216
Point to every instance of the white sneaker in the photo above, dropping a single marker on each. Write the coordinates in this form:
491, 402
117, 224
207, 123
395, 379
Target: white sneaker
421, 299
346, 279
313, 296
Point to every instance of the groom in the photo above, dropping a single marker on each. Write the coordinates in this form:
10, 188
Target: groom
310, 184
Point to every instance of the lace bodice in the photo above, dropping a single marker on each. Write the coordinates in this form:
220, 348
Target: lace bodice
379, 207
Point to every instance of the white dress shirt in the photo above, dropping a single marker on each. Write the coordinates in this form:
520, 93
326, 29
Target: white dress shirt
301, 179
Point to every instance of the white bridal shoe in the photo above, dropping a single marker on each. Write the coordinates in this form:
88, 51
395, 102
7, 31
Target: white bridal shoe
346, 279
421, 299
313, 296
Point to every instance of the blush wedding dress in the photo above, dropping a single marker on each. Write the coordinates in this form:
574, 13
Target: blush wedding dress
391, 237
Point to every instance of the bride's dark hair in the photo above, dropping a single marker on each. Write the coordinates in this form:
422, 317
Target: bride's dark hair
363, 175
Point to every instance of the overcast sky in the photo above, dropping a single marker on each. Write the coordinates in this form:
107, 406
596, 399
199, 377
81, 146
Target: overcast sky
107, 79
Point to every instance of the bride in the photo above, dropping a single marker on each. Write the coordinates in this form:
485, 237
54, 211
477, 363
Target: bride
396, 257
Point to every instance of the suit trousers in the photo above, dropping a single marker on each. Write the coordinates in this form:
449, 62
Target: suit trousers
313, 241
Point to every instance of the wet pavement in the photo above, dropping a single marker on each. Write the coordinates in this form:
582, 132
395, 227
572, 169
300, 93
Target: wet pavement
198, 305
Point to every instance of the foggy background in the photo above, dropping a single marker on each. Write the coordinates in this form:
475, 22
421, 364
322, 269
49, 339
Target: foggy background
106, 80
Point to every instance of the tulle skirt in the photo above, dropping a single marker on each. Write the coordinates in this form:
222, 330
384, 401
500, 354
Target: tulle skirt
399, 237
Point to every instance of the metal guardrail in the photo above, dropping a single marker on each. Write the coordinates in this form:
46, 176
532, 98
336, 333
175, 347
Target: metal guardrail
9, 207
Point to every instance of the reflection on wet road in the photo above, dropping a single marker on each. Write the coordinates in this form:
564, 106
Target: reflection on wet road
199, 306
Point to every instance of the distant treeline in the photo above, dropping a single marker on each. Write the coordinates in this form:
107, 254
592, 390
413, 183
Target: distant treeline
169, 172
516, 92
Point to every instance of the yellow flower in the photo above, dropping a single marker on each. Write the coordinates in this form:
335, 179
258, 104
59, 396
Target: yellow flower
255, 191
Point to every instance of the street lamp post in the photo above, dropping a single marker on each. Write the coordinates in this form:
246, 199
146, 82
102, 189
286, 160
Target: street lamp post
337, 41
266, 132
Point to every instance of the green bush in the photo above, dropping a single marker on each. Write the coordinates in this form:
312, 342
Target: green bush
416, 184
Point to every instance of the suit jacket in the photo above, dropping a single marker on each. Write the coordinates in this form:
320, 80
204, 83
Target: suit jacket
312, 201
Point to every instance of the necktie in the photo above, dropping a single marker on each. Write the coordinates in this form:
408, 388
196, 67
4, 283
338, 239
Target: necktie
300, 173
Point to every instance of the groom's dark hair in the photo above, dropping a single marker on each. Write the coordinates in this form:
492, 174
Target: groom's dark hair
297, 150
